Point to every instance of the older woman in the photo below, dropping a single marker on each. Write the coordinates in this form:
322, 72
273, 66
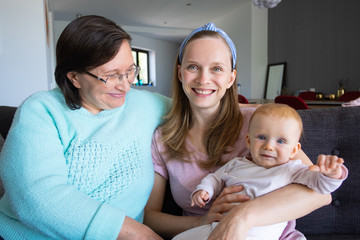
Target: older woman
77, 163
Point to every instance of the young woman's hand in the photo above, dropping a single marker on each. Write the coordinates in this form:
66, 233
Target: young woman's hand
224, 203
229, 228
133, 230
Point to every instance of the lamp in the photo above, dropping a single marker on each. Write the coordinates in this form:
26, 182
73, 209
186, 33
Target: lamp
266, 3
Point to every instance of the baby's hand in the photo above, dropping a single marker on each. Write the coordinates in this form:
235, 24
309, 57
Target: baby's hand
199, 198
329, 165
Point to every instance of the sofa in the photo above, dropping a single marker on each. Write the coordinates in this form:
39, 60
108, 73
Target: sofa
334, 130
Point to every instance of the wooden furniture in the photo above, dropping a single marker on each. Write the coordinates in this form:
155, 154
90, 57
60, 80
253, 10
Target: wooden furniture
309, 103
323, 103
260, 101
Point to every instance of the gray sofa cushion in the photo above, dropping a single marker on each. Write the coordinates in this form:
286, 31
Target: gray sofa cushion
6, 117
334, 131
1, 186
1, 142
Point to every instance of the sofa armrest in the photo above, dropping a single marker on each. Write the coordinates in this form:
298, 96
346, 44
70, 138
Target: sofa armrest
6, 116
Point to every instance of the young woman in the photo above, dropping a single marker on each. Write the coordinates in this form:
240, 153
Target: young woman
205, 129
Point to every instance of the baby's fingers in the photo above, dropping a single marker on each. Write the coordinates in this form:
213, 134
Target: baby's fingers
339, 161
314, 168
325, 163
334, 162
329, 162
321, 162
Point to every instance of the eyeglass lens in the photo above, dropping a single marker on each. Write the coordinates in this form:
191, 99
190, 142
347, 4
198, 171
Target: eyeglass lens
130, 75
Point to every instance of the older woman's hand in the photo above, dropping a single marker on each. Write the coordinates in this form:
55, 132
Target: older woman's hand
133, 230
224, 203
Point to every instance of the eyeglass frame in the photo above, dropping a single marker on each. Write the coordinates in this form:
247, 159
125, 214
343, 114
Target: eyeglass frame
120, 77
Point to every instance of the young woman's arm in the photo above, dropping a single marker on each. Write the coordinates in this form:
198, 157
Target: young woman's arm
290, 202
168, 225
165, 224
285, 204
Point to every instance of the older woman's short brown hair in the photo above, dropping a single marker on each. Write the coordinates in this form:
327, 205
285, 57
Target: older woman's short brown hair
87, 42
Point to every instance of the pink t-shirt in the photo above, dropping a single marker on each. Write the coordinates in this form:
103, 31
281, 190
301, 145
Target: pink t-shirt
185, 176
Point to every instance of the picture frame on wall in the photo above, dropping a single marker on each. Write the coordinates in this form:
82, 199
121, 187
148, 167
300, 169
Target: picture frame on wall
275, 80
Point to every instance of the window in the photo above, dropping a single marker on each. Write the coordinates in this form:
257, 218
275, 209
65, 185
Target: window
141, 58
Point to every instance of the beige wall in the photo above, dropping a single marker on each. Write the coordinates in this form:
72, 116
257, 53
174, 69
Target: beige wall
24, 54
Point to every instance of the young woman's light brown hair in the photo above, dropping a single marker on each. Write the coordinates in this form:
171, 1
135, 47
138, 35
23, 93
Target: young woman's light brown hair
222, 130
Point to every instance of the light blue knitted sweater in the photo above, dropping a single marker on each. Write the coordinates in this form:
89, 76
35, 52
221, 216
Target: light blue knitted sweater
69, 174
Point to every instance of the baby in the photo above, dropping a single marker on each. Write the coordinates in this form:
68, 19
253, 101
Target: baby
273, 140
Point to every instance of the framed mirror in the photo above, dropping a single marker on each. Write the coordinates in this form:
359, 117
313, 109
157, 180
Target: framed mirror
275, 80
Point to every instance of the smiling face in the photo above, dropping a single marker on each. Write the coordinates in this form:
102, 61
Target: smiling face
273, 140
206, 72
96, 95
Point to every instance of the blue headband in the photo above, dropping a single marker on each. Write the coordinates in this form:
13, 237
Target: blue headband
211, 27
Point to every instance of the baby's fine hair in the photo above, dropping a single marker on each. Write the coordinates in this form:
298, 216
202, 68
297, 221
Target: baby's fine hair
279, 110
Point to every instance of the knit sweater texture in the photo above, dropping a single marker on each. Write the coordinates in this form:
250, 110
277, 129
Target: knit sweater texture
70, 174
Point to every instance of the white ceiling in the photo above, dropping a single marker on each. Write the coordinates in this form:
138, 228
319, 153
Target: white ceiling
163, 19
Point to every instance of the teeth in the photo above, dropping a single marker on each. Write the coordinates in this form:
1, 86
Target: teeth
203, 91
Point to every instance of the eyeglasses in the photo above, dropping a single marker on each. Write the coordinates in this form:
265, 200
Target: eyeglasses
130, 76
